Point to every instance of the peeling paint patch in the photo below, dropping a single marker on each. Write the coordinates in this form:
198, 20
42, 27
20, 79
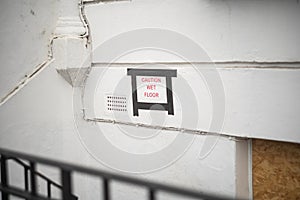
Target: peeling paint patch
43, 32
32, 12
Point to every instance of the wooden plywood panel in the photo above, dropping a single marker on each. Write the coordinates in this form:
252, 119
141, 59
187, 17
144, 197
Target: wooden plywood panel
276, 170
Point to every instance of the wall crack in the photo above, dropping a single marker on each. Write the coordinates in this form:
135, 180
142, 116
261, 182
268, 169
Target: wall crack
165, 128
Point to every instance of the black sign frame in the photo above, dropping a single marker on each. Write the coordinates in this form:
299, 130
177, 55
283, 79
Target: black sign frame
152, 72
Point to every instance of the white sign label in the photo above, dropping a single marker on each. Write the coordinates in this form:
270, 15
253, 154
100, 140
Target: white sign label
151, 89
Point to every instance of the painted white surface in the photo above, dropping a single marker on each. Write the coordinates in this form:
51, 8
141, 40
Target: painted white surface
192, 100
26, 28
226, 30
263, 103
258, 103
39, 120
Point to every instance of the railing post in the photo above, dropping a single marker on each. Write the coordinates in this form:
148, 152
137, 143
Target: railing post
66, 185
26, 183
151, 194
48, 189
4, 176
32, 179
106, 193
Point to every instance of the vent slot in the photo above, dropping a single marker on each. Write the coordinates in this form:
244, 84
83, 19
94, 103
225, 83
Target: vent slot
116, 103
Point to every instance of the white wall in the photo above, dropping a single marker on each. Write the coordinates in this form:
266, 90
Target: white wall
40, 118
260, 98
227, 30
26, 29
257, 103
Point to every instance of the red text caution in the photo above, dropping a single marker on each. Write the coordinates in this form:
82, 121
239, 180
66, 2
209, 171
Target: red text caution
151, 89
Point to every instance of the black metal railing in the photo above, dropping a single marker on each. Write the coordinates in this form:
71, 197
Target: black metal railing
66, 180
49, 183
29, 175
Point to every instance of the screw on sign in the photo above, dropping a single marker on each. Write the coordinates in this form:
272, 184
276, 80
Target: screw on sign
152, 94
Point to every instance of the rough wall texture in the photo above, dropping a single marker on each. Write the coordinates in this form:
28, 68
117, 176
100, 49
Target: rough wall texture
26, 27
276, 170
260, 103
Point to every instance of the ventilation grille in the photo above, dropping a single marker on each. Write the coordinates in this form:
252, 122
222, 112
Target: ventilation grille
116, 103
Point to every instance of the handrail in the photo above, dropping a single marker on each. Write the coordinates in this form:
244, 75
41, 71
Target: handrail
37, 173
23, 194
27, 168
67, 169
